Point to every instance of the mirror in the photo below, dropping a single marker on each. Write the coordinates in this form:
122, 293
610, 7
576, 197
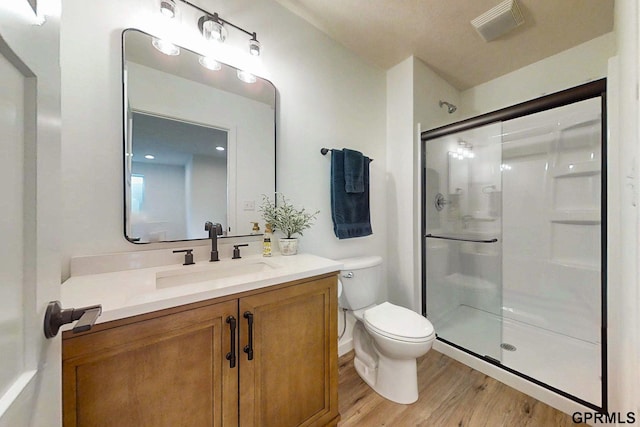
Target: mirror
199, 144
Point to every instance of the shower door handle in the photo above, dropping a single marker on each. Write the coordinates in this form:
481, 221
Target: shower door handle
458, 239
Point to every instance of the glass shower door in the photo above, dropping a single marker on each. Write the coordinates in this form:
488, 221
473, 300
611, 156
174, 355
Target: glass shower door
552, 236
463, 239
514, 245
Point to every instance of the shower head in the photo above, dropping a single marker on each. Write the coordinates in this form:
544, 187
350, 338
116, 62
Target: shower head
450, 107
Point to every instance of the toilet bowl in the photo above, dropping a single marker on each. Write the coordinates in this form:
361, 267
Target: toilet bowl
387, 338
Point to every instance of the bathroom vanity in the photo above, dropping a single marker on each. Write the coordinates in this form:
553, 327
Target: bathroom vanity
255, 348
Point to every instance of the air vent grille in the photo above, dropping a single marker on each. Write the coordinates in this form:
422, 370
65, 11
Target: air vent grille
498, 20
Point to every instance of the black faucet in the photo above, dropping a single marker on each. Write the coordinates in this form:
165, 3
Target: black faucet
214, 230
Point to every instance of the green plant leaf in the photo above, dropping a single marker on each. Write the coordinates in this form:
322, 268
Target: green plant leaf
283, 216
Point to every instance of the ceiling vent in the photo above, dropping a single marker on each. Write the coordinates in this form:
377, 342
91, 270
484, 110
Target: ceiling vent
498, 20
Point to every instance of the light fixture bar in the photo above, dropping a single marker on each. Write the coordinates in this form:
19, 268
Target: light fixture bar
254, 44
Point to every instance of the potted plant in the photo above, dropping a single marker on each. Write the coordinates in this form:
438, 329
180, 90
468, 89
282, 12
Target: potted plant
283, 216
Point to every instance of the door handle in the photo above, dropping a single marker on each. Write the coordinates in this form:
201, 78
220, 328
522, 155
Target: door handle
55, 317
249, 347
231, 356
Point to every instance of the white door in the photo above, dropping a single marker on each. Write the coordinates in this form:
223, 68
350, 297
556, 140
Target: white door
29, 175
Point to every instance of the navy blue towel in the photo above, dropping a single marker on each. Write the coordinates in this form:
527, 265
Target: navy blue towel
349, 211
353, 171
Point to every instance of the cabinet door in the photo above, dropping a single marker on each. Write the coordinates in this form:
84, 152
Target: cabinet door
169, 370
293, 376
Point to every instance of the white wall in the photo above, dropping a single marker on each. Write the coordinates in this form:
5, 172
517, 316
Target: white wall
580, 64
326, 97
208, 195
624, 285
413, 94
400, 184
161, 217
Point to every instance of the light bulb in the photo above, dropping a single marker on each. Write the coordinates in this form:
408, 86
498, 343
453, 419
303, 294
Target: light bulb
246, 76
209, 63
168, 8
254, 46
165, 47
212, 30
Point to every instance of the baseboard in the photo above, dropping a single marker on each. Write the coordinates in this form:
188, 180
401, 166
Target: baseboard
345, 346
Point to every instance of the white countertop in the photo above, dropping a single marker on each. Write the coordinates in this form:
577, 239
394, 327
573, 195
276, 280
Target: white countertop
133, 292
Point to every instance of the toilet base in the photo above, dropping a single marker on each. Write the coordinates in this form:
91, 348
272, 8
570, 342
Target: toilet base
395, 380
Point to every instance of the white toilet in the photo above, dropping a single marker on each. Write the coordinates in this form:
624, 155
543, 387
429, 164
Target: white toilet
387, 338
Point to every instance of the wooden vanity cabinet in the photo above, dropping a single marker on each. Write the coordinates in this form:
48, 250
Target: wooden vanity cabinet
293, 377
173, 367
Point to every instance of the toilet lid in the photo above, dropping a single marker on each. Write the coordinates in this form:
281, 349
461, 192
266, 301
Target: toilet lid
395, 321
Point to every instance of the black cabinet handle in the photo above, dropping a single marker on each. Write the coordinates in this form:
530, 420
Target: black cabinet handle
231, 356
249, 347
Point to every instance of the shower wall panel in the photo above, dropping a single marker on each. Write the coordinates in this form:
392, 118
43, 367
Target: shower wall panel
551, 220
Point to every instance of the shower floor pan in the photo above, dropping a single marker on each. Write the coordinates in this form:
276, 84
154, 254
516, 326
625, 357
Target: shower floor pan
563, 362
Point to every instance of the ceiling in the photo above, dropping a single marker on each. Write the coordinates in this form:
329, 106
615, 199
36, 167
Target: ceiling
385, 32
174, 142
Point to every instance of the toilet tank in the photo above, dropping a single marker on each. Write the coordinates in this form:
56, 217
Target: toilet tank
362, 282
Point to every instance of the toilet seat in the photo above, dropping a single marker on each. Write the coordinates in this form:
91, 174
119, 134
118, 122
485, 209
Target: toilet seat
398, 323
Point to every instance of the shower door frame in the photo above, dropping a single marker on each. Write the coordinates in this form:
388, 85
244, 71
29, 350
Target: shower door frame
594, 89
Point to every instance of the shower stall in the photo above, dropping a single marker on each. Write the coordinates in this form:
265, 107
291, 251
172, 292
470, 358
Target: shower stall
514, 248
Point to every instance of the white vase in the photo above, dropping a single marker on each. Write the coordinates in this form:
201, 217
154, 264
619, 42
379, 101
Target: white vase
288, 246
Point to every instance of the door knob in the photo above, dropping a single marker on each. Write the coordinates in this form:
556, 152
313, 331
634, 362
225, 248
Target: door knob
55, 317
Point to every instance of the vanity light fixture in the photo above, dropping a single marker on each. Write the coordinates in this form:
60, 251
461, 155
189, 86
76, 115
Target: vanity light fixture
214, 28
165, 47
168, 8
246, 76
209, 63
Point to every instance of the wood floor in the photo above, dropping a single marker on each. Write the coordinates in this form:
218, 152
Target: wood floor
451, 394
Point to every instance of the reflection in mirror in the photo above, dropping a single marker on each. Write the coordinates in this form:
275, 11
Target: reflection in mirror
182, 159
199, 144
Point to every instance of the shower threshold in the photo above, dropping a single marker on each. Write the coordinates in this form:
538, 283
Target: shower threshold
566, 363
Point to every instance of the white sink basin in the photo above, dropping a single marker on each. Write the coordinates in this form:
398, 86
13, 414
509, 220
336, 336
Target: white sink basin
215, 271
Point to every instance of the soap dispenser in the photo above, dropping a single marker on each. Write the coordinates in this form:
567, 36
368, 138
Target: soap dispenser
266, 242
256, 228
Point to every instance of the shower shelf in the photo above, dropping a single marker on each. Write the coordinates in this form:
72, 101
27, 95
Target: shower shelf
582, 122
578, 217
578, 169
465, 281
572, 264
